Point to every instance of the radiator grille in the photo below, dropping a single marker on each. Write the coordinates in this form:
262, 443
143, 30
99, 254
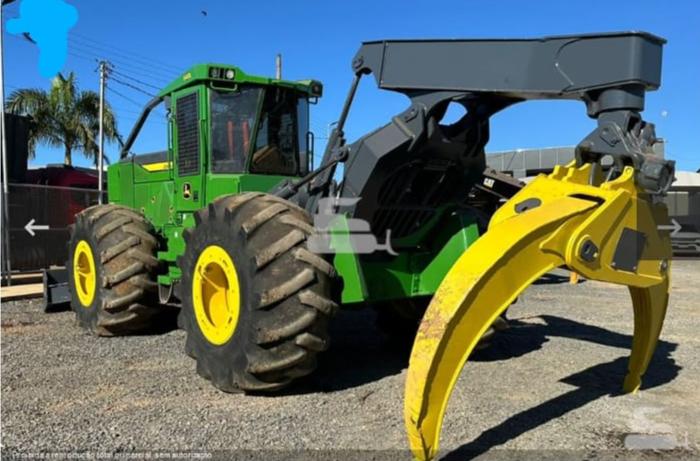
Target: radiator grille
188, 134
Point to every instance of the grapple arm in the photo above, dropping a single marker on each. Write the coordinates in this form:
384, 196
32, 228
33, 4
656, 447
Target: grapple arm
607, 233
605, 228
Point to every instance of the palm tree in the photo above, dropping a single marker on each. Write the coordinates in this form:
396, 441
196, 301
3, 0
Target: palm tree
64, 117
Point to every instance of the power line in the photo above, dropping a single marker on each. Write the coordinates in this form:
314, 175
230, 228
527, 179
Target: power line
133, 87
81, 51
133, 67
130, 55
136, 103
84, 58
90, 56
146, 73
136, 112
157, 88
132, 121
158, 81
128, 111
126, 98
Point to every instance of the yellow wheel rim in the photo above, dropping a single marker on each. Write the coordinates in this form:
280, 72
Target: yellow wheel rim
84, 274
216, 295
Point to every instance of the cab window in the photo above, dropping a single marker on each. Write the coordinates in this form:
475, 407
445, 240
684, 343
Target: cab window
279, 141
232, 123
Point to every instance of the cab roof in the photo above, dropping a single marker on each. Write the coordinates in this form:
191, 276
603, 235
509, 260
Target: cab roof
212, 72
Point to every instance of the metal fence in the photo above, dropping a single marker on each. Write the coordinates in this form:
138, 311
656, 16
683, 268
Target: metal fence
684, 207
36, 233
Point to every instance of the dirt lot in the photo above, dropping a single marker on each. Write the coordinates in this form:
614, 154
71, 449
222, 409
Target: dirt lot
548, 388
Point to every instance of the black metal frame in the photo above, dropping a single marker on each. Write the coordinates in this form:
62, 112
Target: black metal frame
610, 73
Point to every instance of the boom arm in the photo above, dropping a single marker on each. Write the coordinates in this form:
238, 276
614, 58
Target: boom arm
570, 67
609, 73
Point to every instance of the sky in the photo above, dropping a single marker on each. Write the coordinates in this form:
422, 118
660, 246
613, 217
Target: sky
150, 43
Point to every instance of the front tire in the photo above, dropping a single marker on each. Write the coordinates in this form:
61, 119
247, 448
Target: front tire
255, 300
112, 269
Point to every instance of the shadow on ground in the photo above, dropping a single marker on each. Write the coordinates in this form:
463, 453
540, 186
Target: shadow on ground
590, 384
165, 322
360, 353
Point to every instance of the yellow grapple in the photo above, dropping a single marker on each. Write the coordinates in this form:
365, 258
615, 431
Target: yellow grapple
606, 232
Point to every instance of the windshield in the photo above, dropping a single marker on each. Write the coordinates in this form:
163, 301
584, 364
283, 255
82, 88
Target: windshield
280, 142
232, 122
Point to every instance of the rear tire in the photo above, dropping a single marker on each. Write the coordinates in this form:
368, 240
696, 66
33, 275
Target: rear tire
116, 292
272, 331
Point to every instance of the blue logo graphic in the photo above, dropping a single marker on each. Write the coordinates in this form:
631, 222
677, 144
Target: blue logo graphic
47, 22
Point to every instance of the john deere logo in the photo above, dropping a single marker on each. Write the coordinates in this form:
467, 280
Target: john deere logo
187, 191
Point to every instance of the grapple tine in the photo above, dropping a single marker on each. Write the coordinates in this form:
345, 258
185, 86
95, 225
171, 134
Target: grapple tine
574, 224
480, 286
649, 311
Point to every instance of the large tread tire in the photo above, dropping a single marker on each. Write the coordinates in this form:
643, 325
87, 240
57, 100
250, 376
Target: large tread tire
286, 293
124, 247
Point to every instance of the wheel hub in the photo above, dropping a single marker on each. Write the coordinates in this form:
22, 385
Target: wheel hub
84, 274
216, 295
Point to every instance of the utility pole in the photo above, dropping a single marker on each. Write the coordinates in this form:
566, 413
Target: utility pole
278, 66
3, 153
100, 154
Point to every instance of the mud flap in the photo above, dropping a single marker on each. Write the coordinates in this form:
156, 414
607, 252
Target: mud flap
605, 233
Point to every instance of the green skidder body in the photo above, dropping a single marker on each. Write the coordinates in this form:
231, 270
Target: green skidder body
168, 188
198, 223
217, 117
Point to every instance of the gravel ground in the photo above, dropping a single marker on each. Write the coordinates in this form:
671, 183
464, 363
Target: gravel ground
546, 389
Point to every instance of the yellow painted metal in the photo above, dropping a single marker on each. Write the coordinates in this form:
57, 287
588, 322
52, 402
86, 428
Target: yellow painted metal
516, 250
159, 166
216, 295
84, 273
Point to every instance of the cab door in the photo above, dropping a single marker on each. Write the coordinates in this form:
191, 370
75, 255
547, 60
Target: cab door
189, 149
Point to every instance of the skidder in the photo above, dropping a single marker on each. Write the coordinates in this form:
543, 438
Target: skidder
232, 220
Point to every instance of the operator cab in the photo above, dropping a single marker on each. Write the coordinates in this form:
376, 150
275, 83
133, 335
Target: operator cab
252, 125
259, 130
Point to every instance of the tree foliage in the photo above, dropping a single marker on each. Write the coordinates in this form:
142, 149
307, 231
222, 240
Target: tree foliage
64, 117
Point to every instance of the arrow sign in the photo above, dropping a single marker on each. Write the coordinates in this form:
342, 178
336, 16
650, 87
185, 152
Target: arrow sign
31, 227
674, 227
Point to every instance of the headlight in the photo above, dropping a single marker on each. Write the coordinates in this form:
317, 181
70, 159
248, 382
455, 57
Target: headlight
230, 74
317, 89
